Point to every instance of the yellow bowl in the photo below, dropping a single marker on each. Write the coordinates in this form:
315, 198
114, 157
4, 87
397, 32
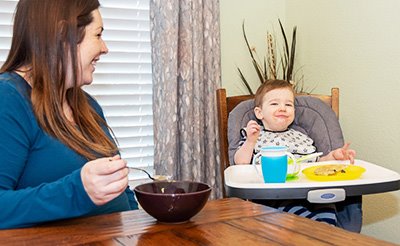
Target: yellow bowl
351, 172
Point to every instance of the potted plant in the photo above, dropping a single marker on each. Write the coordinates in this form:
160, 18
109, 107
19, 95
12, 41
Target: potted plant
272, 66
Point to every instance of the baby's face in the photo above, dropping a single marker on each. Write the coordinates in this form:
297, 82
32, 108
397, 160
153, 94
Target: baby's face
277, 110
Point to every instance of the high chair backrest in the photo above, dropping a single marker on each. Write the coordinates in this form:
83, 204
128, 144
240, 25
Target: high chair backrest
226, 104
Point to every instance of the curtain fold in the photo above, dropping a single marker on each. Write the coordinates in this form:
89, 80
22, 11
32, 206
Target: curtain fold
186, 73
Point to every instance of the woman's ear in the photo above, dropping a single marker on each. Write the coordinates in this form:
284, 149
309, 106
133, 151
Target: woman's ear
258, 113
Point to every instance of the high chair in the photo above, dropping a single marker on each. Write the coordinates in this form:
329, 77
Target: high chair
316, 116
226, 104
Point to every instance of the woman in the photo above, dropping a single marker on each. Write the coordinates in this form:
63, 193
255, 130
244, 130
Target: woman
58, 159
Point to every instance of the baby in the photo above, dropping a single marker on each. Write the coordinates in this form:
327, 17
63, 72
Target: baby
274, 102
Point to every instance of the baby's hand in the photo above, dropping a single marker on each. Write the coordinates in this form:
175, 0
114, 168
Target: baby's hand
344, 153
252, 131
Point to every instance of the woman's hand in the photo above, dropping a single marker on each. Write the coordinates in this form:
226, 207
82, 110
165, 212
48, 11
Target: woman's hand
105, 178
341, 154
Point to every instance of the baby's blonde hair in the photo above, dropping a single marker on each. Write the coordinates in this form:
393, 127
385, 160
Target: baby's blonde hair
268, 86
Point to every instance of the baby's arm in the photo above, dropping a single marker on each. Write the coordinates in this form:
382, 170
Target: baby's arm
245, 152
343, 153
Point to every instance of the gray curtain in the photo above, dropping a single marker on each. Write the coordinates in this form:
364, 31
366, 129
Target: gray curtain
185, 43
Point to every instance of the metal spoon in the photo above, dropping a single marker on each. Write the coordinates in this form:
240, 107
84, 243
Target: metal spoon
148, 174
156, 177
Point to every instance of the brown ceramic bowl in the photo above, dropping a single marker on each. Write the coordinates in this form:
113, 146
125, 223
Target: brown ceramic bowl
172, 202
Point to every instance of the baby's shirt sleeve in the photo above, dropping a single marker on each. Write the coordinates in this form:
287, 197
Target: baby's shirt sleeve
243, 136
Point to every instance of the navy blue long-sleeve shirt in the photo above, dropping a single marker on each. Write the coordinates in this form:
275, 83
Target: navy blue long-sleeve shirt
39, 175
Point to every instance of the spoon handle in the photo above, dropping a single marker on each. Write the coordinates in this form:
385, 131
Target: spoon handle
310, 156
148, 174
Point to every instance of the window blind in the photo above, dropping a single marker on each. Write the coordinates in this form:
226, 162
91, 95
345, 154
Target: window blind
122, 82
7, 8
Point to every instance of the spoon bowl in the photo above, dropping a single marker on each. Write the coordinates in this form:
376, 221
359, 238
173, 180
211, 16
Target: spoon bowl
155, 177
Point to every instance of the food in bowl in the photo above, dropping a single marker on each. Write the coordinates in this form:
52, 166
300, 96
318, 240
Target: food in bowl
329, 170
162, 178
172, 201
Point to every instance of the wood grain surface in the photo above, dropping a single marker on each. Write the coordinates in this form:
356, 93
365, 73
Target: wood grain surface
230, 221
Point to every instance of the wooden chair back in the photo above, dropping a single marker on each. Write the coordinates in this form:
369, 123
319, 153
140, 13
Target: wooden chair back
226, 104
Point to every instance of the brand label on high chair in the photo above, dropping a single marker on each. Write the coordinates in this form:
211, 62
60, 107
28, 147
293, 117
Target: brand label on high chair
326, 195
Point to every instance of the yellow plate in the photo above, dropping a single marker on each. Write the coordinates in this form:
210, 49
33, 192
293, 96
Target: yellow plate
352, 172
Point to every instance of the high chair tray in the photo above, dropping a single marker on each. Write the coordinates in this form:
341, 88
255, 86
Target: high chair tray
244, 181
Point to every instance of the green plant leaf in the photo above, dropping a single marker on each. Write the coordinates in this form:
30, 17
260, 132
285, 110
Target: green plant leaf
265, 70
284, 39
257, 67
245, 81
292, 56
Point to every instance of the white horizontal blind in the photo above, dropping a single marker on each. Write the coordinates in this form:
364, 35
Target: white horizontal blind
122, 82
7, 8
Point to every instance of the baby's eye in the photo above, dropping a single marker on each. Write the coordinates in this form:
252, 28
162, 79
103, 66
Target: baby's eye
274, 104
289, 105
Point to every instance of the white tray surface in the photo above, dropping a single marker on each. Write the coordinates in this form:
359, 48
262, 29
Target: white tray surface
246, 176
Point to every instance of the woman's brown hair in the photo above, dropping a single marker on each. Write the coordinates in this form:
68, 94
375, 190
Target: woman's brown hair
45, 39
270, 85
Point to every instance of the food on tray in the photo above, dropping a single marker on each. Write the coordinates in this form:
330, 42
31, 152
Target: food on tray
333, 172
330, 170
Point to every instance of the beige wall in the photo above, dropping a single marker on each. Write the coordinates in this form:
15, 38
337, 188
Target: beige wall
259, 16
354, 45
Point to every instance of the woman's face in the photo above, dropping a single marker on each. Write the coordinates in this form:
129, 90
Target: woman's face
277, 110
90, 49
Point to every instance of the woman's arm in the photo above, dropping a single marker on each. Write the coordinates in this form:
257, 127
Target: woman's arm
62, 199
29, 205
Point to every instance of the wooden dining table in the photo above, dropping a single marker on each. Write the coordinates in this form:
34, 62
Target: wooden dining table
229, 221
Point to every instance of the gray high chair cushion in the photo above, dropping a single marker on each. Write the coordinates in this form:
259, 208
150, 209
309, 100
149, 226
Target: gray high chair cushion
316, 119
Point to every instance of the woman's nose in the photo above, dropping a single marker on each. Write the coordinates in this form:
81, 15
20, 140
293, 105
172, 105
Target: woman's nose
104, 48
